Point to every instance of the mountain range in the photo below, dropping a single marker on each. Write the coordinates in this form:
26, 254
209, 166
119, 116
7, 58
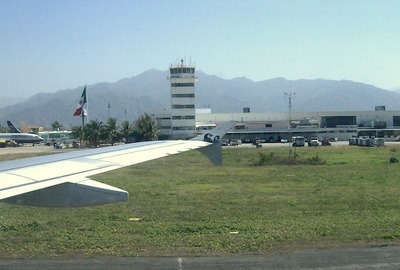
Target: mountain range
149, 92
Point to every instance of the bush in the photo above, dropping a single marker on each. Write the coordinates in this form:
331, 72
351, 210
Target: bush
273, 159
264, 159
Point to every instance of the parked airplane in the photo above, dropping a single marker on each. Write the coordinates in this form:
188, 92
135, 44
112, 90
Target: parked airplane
49, 137
18, 136
64, 179
21, 137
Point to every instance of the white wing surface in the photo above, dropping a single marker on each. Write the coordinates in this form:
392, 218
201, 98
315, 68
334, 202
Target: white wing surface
64, 179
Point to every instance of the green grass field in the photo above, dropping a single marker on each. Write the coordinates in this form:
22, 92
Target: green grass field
258, 202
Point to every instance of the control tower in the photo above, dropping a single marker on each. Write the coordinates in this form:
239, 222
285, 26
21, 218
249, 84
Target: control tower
183, 112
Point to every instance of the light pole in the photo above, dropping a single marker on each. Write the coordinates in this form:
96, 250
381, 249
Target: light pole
289, 95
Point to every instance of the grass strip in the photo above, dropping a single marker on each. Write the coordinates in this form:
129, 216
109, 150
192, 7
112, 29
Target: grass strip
181, 205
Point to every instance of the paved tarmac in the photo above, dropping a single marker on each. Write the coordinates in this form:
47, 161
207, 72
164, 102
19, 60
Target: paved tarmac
28, 148
50, 149
341, 259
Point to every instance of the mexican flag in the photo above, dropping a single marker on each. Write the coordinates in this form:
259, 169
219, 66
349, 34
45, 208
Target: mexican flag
82, 101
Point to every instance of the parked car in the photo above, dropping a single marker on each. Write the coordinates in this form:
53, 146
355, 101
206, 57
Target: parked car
298, 141
234, 142
313, 142
225, 142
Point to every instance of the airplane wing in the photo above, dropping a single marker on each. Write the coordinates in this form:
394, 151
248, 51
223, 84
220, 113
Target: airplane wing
64, 179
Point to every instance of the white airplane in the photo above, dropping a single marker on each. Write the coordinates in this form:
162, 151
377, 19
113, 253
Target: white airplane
20, 137
64, 179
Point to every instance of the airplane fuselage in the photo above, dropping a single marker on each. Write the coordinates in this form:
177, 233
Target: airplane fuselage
21, 137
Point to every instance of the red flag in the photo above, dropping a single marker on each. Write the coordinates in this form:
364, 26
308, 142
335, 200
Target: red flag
82, 101
78, 111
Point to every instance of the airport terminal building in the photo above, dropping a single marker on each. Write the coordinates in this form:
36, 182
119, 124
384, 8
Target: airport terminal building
183, 120
272, 127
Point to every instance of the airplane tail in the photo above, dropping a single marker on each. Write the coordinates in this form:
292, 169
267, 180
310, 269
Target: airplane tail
12, 128
214, 151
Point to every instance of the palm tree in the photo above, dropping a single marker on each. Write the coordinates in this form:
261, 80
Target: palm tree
93, 132
79, 133
145, 128
111, 129
125, 131
56, 125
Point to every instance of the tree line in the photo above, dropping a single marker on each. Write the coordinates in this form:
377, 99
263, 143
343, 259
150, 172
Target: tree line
96, 132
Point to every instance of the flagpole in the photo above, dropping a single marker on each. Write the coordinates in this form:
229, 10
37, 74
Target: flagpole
83, 109
80, 110
83, 118
87, 105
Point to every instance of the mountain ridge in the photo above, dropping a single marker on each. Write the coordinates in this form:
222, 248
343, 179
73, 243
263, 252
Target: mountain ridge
149, 92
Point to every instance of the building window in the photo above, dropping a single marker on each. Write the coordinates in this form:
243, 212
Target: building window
334, 121
182, 117
182, 84
182, 128
187, 106
182, 95
396, 120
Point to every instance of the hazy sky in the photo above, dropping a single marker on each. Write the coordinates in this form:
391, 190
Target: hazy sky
48, 45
